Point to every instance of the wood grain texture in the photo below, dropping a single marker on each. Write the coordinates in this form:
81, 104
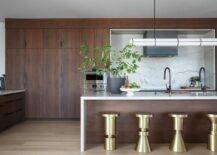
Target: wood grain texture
71, 83
34, 38
70, 38
52, 39
113, 23
51, 83
195, 126
15, 38
34, 69
12, 109
15, 69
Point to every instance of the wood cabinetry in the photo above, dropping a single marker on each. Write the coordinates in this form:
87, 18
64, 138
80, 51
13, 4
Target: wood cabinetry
46, 65
52, 39
51, 83
15, 38
70, 38
71, 83
34, 38
35, 107
15, 68
12, 109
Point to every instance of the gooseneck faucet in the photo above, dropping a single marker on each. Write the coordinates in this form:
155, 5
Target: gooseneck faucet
203, 84
168, 88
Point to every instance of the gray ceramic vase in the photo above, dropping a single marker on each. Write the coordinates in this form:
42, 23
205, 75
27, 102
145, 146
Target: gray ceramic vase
114, 84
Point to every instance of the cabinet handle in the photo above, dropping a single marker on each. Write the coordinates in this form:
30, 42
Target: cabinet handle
61, 43
25, 44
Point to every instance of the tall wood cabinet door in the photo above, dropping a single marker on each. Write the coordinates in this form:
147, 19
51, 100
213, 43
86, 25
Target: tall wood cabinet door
34, 38
70, 38
15, 38
52, 38
35, 106
15, 63
71, 84
52, 76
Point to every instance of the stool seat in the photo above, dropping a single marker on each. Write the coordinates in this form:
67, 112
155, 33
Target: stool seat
178, 115
110, 115
144, 115
211, 115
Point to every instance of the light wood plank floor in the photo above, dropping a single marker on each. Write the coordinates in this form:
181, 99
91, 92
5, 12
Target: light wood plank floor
62, 138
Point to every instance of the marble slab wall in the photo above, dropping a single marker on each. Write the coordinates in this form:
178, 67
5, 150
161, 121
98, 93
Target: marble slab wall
183, 66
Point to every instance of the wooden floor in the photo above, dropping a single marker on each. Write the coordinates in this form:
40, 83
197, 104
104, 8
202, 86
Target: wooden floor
62, 138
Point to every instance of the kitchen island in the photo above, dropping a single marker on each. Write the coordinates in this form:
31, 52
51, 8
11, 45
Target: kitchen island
195, 104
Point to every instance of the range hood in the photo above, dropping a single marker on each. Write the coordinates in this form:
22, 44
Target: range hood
160, 51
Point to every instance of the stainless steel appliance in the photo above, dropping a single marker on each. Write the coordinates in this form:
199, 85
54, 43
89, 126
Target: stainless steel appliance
2, 82
94, 82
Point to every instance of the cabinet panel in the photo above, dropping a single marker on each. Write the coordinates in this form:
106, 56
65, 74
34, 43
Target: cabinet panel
51, 83
35, 106
52, 38
15, 63
70, 38
34, 38
87, 37
15, 38
70, 84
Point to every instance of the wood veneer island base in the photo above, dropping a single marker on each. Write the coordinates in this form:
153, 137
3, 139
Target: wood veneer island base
196, 126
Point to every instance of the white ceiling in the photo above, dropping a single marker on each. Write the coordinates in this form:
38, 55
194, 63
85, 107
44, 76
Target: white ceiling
107, 8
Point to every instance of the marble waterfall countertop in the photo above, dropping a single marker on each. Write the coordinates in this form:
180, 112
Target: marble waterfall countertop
210, 95
7, 92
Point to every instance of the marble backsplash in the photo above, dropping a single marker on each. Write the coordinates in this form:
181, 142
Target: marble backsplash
183, 66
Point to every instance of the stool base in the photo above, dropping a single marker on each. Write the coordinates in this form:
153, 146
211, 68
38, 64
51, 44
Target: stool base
212, 143
110, 144
178, 144
143, 144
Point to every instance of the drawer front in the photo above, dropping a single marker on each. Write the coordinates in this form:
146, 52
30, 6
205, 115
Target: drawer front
11, 97
11, 107
11, 119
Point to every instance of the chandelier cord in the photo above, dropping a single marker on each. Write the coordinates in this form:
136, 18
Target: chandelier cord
154, 20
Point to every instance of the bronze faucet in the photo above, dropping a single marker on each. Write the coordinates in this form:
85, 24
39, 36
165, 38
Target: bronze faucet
203, 85
168, 88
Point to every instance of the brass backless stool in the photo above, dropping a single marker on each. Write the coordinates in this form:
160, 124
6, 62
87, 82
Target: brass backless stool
178, 144
110, 131
212, 137
143, 143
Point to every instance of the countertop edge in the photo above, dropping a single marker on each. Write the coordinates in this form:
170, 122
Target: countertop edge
151, 98
8, 92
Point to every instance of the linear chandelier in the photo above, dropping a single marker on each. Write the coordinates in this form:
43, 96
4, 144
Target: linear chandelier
175, 42
172, 41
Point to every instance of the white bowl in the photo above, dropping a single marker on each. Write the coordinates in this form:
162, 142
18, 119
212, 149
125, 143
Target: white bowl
130, 91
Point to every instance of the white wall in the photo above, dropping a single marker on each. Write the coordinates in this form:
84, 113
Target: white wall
183, 66
2, 48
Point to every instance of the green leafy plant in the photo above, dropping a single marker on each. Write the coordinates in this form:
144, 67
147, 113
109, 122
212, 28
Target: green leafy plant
125, 61
108, 60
